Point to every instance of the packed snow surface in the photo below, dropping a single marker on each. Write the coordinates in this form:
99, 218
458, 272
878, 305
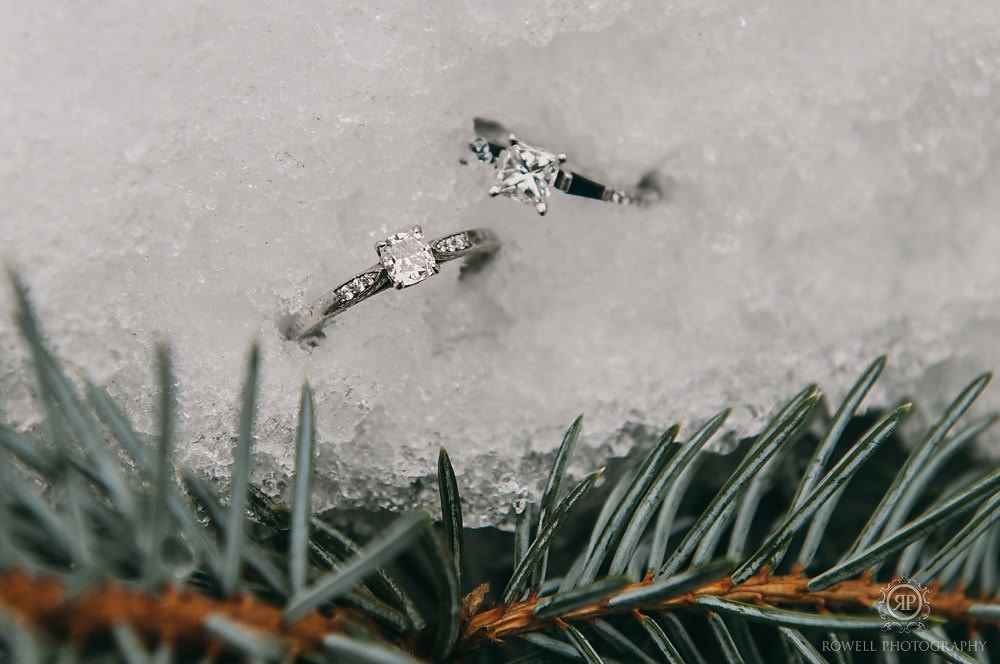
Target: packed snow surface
191, 171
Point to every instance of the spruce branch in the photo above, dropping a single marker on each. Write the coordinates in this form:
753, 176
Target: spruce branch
89, 510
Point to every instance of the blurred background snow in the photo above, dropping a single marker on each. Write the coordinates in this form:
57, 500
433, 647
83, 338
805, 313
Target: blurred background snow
190, 171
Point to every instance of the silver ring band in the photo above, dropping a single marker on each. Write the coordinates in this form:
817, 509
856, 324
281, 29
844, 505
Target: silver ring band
405, 259
528, 173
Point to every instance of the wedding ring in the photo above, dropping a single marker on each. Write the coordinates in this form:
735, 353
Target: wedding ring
405, 259
528, 173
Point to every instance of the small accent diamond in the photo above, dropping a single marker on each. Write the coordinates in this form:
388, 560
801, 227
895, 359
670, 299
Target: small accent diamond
356, 286
453, 243
481, 147
406, 257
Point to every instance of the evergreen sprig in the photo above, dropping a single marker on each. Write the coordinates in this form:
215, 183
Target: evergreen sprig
106, 555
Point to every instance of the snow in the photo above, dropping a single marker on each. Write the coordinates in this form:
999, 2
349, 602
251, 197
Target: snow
192, 171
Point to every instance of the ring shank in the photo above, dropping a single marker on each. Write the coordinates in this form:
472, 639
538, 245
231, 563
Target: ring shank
457, 245
310, 321
575, 184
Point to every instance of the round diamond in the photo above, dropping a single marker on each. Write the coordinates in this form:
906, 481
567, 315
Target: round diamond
481, 147
453, 243
407, 259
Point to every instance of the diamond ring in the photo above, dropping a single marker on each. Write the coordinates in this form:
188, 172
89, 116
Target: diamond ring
405, 259
528, 173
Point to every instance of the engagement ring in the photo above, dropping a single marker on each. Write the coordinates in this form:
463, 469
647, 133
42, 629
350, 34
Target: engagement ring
527, 173
405, 259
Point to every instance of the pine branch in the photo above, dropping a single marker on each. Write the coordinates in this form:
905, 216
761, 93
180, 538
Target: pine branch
86, 560
841, 597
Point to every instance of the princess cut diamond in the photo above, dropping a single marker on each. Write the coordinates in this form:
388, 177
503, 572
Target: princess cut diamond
526, 173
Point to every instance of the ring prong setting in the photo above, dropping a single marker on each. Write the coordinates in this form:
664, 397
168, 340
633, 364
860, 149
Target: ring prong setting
407, 258
527, 173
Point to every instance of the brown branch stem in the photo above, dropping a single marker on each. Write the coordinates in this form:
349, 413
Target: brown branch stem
178, 616
789, 590
171, 616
